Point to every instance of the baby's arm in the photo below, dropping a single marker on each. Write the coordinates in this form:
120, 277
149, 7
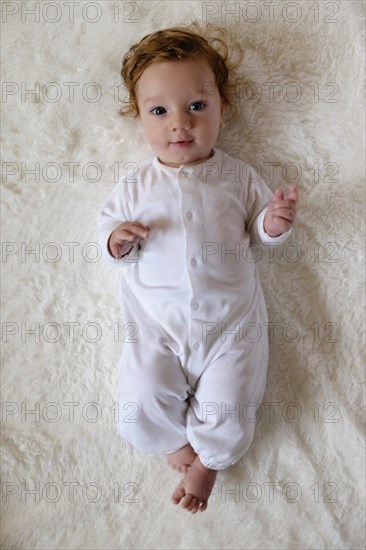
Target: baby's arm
119, 232
125, 236
269, 217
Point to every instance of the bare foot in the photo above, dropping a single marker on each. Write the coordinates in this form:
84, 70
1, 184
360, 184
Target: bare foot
182, 459
193, 491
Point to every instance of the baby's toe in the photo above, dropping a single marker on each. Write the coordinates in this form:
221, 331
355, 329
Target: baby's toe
203, 506
194, 509
186, 502
178, 494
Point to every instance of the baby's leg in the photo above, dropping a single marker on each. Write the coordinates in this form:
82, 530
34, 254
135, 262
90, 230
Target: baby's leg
221, 418
154, 396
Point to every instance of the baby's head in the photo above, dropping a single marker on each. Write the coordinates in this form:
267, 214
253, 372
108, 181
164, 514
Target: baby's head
180, 87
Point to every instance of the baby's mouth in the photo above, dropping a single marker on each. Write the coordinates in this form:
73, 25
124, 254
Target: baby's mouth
182, 144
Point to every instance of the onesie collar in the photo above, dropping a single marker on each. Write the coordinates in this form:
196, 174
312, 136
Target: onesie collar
188, 168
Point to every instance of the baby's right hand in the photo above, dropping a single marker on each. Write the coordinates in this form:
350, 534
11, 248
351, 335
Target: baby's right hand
125, 236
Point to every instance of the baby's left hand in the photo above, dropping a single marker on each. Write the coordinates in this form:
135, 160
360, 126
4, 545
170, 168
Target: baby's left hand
281, 213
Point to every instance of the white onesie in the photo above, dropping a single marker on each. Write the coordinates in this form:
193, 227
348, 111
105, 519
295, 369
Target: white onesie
195, 370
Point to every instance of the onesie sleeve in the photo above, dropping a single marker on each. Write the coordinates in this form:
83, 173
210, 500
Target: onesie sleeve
258, 197
260, 235
116, 209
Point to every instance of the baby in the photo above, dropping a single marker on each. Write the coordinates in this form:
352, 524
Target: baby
180, 227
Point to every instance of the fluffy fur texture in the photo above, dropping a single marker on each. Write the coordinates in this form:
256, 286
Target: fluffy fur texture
311, 436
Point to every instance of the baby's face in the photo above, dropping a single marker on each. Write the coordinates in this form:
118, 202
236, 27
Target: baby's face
181, 110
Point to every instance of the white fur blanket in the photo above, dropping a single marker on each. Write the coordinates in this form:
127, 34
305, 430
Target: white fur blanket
68, 480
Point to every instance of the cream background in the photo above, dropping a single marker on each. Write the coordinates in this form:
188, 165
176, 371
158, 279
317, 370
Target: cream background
301, 295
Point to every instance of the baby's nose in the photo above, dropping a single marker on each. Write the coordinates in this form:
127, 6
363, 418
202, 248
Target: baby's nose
181, 122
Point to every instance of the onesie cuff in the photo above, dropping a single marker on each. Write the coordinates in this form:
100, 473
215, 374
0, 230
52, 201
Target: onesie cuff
263, 236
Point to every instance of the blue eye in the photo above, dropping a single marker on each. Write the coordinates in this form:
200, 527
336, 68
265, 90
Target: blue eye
200, 105
156, 109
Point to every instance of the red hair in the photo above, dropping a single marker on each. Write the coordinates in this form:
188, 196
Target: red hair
175, 44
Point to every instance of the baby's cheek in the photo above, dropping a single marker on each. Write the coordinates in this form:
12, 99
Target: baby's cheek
157, 144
